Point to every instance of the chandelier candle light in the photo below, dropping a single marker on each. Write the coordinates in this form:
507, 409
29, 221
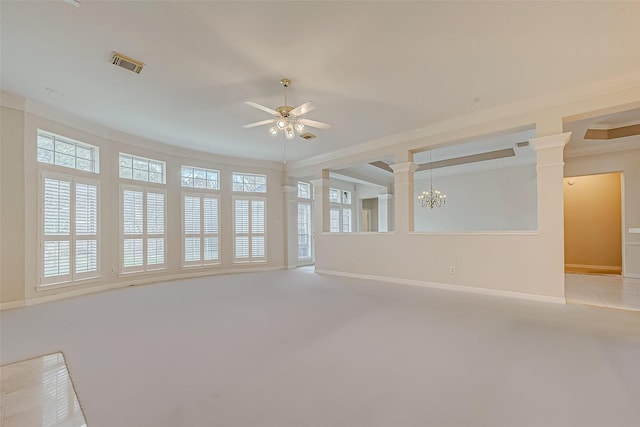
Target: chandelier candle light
432, 199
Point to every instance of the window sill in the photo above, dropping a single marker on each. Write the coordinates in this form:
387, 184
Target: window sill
45, 288
200, 266
140, 273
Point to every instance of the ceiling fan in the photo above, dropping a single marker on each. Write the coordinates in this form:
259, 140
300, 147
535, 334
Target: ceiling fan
287, 119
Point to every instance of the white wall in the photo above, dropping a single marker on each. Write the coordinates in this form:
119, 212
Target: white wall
12, 193
499, 262
486, 200
627, 162
20, 266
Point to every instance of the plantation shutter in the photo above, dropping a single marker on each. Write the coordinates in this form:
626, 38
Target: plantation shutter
86, 218
210, 231
57, 230
69, 227
155, 228
133, 220
249, 229
191, 229
241, 227
257, 228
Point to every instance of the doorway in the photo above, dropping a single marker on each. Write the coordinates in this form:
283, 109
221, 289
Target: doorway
593, 224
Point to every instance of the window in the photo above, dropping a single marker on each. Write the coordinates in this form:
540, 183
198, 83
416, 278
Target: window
304, 190
141, 169
200, 229
60, 151
304, 230
69, 228
334, 195
346, 197
339, 212
249, 226
200, 178
304, 221
346, 220
143, 228
334, 220
249, 183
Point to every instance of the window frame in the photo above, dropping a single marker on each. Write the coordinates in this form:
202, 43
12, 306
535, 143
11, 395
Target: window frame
207, 180
135, 157
95, 152
244, 183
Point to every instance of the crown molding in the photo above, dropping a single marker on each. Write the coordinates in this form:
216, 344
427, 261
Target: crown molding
521, 112
10, 100
601, 149
54, 114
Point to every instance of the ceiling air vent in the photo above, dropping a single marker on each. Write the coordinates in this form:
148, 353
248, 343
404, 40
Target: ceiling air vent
307, 135
522, 144
127, 63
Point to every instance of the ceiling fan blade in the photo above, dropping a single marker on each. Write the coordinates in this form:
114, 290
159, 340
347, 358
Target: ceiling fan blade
260, 123
304, 108
314, 124
262, 107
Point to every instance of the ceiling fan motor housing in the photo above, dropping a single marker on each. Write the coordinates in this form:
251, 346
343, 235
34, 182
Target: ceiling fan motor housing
284, 110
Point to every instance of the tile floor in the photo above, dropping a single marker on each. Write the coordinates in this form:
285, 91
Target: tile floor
603, 291
38, 392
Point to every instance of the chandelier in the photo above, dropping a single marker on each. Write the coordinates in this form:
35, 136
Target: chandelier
432, 198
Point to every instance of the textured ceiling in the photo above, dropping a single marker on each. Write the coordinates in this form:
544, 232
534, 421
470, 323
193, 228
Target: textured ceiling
374, 68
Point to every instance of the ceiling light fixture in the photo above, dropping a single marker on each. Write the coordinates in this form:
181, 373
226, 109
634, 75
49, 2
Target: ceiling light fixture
432, 199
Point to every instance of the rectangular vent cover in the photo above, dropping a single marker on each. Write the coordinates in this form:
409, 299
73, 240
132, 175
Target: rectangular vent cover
307, 135
522, 144
127, 63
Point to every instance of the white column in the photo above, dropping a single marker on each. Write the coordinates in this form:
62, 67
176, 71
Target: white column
550, 171
291, 225
321, 204
385, 212
403, 190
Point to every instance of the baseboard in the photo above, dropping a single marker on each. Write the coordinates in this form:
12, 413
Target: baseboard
594, 267
633, 275
139, 281
597, 269
11, 304
447, 286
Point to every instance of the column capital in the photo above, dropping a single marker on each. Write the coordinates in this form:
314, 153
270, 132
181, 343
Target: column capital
551, 141
404, 167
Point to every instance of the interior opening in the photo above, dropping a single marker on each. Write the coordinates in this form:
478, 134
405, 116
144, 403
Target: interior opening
593, 224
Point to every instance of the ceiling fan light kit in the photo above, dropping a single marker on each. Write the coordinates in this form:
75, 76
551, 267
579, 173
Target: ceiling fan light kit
286, 119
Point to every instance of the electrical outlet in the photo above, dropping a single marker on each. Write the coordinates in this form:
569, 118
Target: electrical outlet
452, 269
112, 270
